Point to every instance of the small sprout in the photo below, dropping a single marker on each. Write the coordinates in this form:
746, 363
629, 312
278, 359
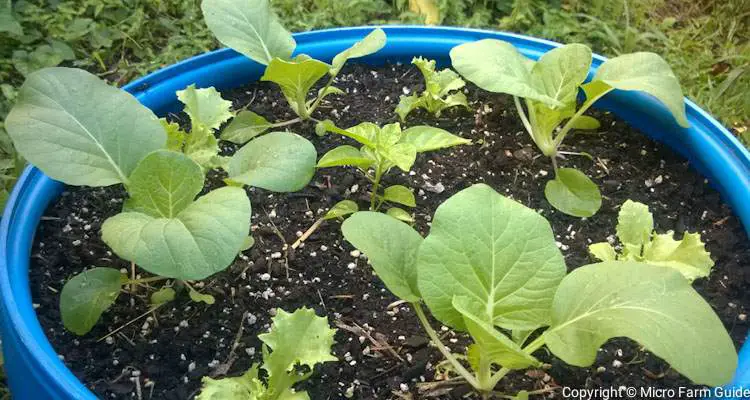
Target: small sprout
442, 90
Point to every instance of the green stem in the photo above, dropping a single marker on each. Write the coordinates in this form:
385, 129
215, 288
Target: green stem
569, 125
375, 187
317, 101
444, 350
524, 119
145, 280
285, 123
532, 347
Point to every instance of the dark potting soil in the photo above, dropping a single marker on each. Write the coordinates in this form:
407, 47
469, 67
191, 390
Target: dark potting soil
382, 351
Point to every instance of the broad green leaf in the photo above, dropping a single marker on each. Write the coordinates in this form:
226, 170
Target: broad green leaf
163, 295
634, 226
389, 135
175, 135
277, 161
284, 339
688, 256
43, 56
341, 209
391, 246
474, 356
199, 297
371, 43
87, 295
493, 344
654, 306
245, 126
573, 193
402, 155
365, 133
427, 138
520, 336
603, 251
249, 27
399, 194
560, 71
407, 104
79, 130
295, 78
497, 253
584, 122
594, 90
497, 66
344, 155
205, 107
201, 240
645, 72
246, 387
400, 215
7, 22
163, 184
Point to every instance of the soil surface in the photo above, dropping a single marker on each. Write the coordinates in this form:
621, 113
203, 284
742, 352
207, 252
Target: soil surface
383, 351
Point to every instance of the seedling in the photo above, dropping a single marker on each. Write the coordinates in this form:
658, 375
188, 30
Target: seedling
297, 340
549, 88
437, 95
338, 211
490, 267
635, 229
382, 149
251, 28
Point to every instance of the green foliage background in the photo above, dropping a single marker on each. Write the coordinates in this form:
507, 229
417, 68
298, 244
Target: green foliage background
705, 41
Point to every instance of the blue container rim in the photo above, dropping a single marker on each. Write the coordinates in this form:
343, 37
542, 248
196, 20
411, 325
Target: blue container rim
15, 302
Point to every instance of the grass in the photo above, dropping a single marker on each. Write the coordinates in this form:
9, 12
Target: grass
706, 42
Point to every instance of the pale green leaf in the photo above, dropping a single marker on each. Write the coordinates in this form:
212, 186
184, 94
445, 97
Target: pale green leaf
455, 99
79, 130
654, 306
521, 395
7, 22
327, 91
365, 133
494, 345
248, 243
427, 138
203, 148
497, 253
344, 155
277, 161
175, 135
560, 71
199, 297
389, 135
402, 155
400, 215
201, 240
634, 226
163, 295
244, 387
407, 104
586, 123
284, 339
391, 246
341, 209
645, 72
370, 44
295, 78
573, 193
497, 66
399, 194
249, 27
245, 126
163, 184
205, 107
688, 256
87, 295
603, 251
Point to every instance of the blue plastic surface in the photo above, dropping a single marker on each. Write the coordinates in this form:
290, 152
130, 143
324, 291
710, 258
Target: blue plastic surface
35, 372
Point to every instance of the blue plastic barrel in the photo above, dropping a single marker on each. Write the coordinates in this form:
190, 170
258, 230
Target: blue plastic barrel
33, 368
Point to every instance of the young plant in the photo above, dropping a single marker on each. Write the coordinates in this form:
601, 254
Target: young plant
79, 130
251, 28
437, 95
490, 267
338, 211
635, 229
549, 88
382, 149
297, 340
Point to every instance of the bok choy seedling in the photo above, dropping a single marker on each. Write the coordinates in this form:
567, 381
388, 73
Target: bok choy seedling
490, 267
549, 88
297, 340
79, 130
635, 229
382, 149
252, 28
437, 95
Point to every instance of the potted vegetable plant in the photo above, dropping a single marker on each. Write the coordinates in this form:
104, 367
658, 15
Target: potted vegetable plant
148, 275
